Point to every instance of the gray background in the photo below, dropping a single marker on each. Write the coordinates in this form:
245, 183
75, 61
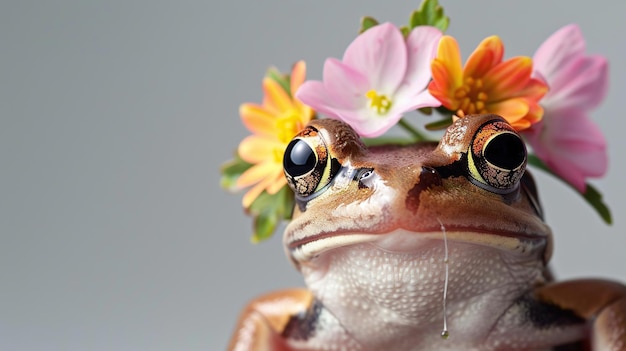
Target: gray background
115, 118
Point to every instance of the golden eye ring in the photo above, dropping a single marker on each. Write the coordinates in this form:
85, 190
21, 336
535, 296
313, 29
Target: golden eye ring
306, 163
497, 157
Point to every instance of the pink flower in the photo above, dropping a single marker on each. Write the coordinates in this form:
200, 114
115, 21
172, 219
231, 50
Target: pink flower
566, 139
380, 77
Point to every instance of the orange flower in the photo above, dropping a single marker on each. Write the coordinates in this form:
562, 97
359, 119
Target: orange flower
487, 84
273, 124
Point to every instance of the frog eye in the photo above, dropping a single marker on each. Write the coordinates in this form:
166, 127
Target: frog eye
497, 157
307, 163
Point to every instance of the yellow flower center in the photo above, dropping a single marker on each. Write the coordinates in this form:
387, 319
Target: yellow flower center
288, 124
471, 96
278, 155
381, 103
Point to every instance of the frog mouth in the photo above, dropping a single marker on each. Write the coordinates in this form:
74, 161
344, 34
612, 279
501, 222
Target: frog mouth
309, 248
402, 240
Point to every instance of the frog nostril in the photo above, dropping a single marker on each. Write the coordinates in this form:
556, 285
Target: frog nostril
366, 178
428, 178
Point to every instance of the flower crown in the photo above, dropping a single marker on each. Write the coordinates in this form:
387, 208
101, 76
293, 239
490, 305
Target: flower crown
388, 71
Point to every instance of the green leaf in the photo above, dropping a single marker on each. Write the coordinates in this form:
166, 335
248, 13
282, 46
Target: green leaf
430, 13
282, 79
288, 203
416, 19
262, 203
594, 198
367, 22
439, 125
231, 171
405, 31
442, 110
591, 194
268, 210
264, 226
426, 110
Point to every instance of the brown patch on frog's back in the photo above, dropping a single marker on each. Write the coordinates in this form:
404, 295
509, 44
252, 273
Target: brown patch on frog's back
459, 204
428, 178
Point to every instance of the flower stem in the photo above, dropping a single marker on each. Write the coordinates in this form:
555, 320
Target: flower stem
414, 132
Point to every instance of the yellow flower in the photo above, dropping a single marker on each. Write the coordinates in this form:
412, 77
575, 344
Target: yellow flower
273, 124
486, 84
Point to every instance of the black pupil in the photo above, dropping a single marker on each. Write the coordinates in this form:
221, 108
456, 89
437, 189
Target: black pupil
299, 158
506, 151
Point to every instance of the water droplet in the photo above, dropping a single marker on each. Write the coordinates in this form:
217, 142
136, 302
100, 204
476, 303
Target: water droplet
444, 333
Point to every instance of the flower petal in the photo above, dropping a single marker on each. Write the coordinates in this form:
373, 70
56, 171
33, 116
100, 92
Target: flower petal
255, 191
535, 89
314, 94
255, 174
449, 55
408, 100
556, 52
493, 44
447, 72
508, 77
534, 115
255, 149
257, 119
582, 84
487, 54
380, 53
345, 85
298, 74
479, 63
275, 96
422, 45
369, 124
511, 109
277, 183
571, 145
440, 87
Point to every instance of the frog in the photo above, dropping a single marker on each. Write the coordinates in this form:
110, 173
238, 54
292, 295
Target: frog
424, 246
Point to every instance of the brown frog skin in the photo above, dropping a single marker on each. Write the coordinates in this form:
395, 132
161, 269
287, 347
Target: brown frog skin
376, 231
